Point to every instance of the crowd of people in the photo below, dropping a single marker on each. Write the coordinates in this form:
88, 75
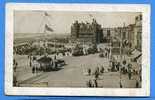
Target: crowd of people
123, 68
95, 76
104, 52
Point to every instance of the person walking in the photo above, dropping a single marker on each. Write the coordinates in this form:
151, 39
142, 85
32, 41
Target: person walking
89, 71
140, 75
89, 83
95, 83
30, 63
33, 70
118, 66
129, 71
15, 82
137, 84
15, 66
102, 70
121, 86
34, 65
129, 74
97, 73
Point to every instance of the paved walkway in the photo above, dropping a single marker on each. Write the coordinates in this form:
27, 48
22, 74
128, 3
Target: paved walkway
73, 74
24, 71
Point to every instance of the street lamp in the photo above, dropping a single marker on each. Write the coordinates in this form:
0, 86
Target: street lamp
120, 57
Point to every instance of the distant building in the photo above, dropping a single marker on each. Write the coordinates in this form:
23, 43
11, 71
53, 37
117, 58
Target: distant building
119, 39
86, 32
130, 36
108, 33
121, 33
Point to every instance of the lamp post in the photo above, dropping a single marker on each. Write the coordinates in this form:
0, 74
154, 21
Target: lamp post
120, 57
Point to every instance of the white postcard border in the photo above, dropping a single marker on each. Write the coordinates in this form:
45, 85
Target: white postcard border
144, 91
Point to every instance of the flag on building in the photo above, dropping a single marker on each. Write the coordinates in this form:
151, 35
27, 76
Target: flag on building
47, 28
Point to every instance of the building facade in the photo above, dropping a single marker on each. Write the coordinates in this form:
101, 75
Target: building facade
87, 32
108, 33
138, 32
135, 33
130, 36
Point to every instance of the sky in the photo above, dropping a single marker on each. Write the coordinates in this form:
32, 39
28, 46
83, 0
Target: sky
61, 21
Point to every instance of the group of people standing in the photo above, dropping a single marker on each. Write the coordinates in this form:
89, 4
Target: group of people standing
33, 64
123, 68
94, 81
104, 52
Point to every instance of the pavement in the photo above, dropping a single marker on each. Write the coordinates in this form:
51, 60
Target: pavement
24, 71
74, 73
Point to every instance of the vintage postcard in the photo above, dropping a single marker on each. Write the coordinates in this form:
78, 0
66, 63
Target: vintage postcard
77, 49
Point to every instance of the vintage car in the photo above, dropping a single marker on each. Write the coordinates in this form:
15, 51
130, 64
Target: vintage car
48, 64
59, 63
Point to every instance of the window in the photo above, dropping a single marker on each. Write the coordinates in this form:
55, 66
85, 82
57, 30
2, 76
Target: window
108, 32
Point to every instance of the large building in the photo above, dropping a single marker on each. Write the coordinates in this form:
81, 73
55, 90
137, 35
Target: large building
86, 32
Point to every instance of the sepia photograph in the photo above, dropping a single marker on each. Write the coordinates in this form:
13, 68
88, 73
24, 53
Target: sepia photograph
56, 47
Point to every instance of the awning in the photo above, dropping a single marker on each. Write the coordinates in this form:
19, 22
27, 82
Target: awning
135, 53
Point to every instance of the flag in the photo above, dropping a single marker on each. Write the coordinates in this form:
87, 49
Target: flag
48, 28
46, 14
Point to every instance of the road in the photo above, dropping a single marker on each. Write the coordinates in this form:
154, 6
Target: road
74, 73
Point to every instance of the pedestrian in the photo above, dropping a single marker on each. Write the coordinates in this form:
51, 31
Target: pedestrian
89, 71
14, 61
129, 74
118, 66
14, 79
113, 66
129, 66
106, 54
140, 77
96, 75
55, 57
140, 74
30, 63
97, 72
124, 62
95, 83
33, 70
89, 83
37, 69
121, 86
15, 66
97, 69
102, 70
137, 84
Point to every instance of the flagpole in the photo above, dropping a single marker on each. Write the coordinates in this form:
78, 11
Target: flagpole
44, 37
48, 28
121, 53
